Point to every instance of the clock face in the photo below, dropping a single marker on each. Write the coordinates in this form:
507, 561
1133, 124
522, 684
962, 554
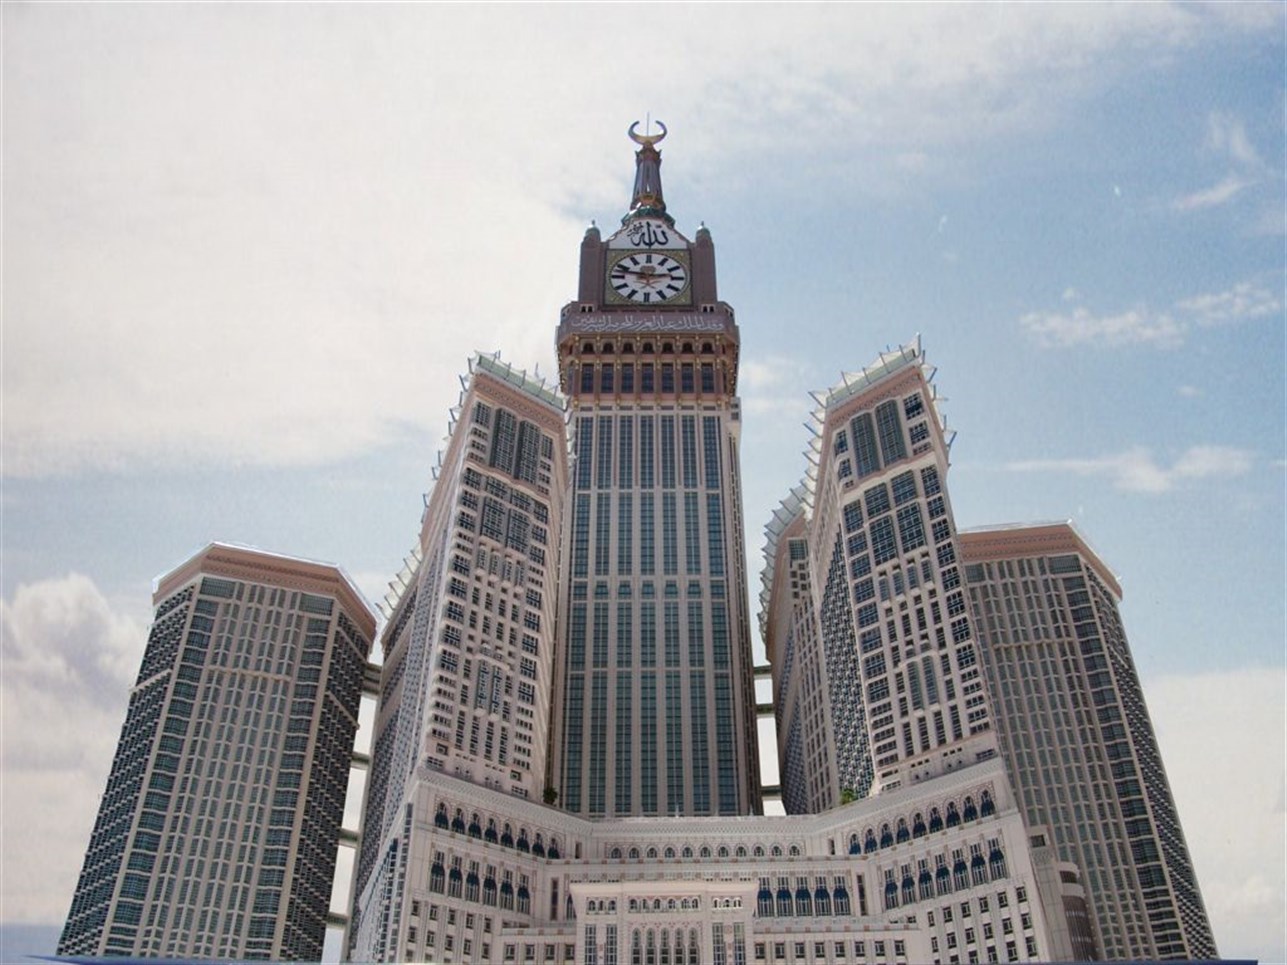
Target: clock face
647, 278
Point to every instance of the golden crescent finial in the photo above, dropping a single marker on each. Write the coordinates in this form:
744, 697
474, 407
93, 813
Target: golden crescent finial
647, 140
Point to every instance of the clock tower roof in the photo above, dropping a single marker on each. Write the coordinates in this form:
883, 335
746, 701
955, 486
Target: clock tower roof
647, 201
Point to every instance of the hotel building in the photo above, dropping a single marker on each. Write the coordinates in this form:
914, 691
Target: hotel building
217, 832
1076, 736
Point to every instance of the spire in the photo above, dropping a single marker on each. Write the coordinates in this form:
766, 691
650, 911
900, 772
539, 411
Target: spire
647, 200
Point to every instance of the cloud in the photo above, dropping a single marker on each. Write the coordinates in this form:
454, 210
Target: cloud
1137, 470
1143, 326
1221, 737
69, 661
1189, 392
1080, 327
272, 237
1213, 196
1242, 301
773, 384
1226, 138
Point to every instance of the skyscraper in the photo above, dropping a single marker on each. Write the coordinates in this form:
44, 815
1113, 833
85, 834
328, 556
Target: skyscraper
894, 694
644, 847
469, 645
1076, 736
217, 833
655, 708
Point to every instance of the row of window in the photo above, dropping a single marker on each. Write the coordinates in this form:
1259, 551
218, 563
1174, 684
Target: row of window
504, 837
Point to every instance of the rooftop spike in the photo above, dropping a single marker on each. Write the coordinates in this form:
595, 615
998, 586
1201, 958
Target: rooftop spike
647, 200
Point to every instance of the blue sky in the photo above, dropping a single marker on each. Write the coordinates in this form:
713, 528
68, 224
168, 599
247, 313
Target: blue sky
248, 250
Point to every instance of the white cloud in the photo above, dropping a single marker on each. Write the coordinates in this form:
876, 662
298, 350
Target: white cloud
271, 235
1137, 470
1214, 196
774, 384
1227, 136
1242, 301
1221, 737
1080, 327
1189, 392
1142, 326
69, 661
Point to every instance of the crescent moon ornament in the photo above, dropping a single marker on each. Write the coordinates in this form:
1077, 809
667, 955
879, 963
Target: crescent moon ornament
647, 140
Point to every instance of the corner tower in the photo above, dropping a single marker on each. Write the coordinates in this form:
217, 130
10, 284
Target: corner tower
655, 710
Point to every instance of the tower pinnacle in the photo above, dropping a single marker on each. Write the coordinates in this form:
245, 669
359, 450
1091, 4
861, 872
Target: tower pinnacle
647, 200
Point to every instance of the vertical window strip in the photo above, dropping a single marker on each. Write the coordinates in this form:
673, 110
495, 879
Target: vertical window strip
710, 451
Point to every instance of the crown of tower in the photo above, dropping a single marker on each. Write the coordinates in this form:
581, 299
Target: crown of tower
647, 201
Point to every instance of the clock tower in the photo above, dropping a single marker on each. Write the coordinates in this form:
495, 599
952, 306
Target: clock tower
655, 706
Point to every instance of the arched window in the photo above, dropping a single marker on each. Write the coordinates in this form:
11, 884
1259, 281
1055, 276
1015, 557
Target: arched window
953, 819
524, 900
903, 833
795, 851
615, 853
440, 818
458, 822
925, 882
821, 900
854, 846
909, 889
741, 851
986, 806
978, 869
869, 843
490, 834
538, 847
840, 898
969, 812
803, 899
776, 851
651, 853
996, 862
936, 821
723, 851
634, 854
507, 896
670, 852
489, 891
943, 880
471, 886
784, 902
764, 900
437, 877
507, 837
636, 948
918, 826
886, 836
960, 875
687, 852
475, 828
891, 894
454, 881
522, 840
554, 849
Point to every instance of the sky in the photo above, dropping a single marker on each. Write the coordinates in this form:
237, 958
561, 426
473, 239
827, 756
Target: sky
248, 249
